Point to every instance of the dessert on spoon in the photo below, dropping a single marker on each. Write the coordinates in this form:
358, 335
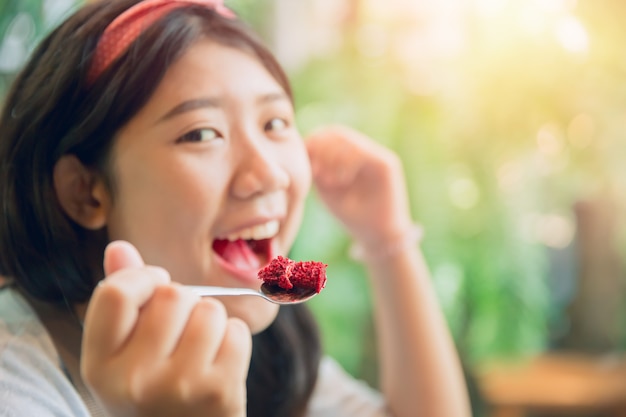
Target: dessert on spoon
284, 282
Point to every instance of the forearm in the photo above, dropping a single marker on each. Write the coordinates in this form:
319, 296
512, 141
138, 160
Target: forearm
419, 366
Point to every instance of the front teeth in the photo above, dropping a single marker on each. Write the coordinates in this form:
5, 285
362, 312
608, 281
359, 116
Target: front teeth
261, 231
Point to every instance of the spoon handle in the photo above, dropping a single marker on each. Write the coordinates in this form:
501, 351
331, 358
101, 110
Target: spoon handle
205, 291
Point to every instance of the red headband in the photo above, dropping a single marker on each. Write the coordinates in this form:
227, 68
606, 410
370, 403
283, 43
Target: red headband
125, 28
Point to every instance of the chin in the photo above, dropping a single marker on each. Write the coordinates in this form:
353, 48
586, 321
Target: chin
258, 314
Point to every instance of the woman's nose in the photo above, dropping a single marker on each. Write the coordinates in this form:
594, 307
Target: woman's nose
260, 171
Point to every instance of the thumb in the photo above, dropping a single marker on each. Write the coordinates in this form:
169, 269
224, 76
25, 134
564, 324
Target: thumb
120, 254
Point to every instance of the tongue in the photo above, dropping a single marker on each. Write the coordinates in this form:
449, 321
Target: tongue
239, 254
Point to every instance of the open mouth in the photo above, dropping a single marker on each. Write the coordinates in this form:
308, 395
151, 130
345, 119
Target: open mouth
244, 254
247, 250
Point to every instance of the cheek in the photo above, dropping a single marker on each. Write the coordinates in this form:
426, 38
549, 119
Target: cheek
151, 203
301, 177
300, 171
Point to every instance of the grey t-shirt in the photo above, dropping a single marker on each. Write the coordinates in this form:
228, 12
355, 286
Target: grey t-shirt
33, 383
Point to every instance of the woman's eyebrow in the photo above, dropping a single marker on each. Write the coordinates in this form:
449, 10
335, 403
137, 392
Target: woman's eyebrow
190, 105
209, 102
271, 97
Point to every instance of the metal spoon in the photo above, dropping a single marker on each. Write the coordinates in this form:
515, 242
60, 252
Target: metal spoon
272, 293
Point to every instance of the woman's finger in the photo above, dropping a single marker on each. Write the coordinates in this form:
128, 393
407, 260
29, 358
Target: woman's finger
201, 338
233, 356
116, 301
161, 323
121, 254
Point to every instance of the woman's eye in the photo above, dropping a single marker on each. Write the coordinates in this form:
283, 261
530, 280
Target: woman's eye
275, 124
199, 135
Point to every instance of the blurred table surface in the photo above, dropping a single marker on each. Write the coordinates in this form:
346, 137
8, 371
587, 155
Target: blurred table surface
563, 384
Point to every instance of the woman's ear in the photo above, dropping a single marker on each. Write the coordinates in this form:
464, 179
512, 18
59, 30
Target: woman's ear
82, 194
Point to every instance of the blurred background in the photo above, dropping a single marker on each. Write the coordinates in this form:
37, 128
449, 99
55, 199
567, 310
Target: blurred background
510, 118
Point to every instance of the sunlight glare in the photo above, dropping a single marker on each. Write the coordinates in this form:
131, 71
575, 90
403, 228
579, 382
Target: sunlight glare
572, 35
581, 131
553, 230
464, 193
372, 40
490, 8
549, 140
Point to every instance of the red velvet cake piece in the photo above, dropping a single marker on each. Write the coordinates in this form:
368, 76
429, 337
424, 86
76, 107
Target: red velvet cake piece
309, 275
292, 275
277, 272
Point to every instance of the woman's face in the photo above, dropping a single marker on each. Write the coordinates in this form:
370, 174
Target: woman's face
211, 175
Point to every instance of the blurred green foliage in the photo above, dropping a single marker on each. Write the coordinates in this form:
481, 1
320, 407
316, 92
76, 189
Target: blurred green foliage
491, 282
22, 25
499, 141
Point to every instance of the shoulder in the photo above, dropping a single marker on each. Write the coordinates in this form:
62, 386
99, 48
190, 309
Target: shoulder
338, 394
20, 328
31, 379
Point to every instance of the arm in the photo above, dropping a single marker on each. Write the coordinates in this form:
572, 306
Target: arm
362, 184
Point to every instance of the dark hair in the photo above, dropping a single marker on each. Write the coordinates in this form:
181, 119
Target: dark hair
52, 111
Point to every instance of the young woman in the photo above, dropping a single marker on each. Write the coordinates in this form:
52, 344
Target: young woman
151, 144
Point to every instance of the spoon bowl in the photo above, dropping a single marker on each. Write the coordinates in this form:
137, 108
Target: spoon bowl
271, 293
